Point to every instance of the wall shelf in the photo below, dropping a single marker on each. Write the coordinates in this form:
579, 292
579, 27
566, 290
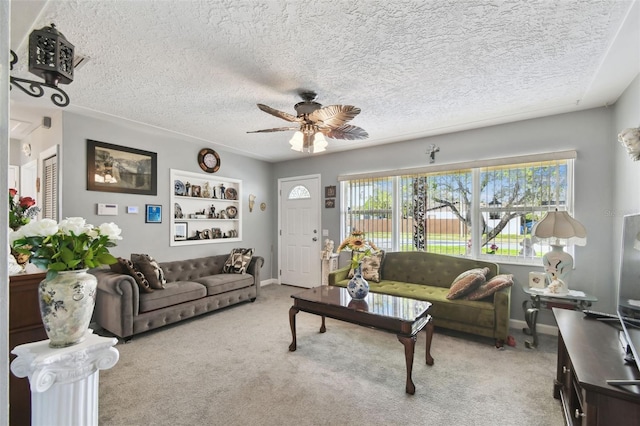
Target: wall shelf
215, 199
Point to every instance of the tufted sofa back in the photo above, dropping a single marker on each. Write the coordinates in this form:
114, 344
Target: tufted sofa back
429, 268
191, 269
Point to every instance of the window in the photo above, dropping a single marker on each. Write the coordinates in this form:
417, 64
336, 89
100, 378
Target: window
50, 188
447, 211
299, 192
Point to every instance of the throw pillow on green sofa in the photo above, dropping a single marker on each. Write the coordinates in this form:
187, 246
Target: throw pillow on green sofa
494, 284
466, 282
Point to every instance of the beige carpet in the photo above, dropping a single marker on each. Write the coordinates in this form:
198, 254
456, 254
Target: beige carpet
233, 367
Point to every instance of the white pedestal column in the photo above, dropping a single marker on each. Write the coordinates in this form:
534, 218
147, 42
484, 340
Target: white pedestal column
64, 381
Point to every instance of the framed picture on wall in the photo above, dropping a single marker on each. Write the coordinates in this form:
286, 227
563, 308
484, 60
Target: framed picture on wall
153, 213
114, 168
330, 203
329, 191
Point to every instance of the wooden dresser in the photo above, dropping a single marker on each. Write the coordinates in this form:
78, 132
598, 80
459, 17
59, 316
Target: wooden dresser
25, 326
589, 354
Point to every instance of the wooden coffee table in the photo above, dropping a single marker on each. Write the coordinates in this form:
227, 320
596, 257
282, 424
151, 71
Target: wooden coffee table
399, 315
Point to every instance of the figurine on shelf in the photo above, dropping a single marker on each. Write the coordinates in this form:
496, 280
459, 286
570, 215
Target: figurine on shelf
222, 194
206, 190
212, 211
188, 186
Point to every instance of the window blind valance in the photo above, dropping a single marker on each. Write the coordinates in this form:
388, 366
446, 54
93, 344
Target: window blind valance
503, 161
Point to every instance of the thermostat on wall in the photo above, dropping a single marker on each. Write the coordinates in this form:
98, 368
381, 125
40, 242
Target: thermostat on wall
107, 209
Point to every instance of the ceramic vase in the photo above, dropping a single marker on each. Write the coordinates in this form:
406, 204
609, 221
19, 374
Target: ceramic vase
66, 306
358, 287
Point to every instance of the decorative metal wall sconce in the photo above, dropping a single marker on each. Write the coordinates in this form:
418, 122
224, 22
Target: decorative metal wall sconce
50, 57
630, 139
431, 151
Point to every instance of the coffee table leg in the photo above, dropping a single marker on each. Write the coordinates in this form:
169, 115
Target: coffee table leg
322, 327
409, 346
292, 322
429, 329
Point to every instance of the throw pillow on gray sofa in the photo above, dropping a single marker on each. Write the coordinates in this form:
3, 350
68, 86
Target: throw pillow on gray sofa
151, 270
238, 261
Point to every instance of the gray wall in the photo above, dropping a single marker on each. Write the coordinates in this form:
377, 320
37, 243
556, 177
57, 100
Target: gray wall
173, 152
605, 184
589, 132
626, 172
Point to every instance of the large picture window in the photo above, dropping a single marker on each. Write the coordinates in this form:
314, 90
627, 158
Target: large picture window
479, 212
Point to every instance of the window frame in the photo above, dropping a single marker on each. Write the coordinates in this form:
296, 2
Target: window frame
476, 168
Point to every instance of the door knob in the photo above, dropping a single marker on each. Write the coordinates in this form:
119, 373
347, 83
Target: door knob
315, 238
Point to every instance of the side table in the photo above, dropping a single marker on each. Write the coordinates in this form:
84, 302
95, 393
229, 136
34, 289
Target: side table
538, 298
64, 381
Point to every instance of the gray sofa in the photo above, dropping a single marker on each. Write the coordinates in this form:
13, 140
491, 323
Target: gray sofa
193, 287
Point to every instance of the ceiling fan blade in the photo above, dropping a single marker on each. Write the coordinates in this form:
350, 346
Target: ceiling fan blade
276, 129
345, 131
279, 114
334, 115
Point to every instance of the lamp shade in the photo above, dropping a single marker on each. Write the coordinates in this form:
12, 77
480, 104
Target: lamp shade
319, 143
311, 143
296, 141
560, 225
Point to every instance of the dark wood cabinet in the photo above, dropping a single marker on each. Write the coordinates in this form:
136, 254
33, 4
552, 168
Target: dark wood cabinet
589, 354
25, 326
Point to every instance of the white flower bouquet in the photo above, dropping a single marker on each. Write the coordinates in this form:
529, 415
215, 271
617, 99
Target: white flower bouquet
69, 245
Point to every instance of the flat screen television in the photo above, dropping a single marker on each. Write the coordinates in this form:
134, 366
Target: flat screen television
629, 289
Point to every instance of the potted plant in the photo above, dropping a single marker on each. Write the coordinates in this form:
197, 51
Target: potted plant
357, 287
66, 250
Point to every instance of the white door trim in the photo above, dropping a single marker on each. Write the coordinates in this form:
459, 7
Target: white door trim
319, 224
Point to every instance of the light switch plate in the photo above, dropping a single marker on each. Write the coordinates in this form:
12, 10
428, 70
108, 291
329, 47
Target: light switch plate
132, 209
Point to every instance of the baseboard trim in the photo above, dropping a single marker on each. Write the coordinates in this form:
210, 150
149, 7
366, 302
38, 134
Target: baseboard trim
269, 281
540, 328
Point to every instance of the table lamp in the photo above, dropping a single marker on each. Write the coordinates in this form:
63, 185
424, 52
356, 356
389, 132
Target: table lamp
560, 228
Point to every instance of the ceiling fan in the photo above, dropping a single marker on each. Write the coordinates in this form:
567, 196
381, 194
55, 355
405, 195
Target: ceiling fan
315, 122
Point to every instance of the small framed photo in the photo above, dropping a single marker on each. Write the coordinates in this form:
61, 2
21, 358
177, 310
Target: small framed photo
537, 279
330, 191
330, 203
195, 191
153, 213
180, 230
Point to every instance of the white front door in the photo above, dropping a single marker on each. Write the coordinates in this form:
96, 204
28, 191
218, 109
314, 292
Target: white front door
300, 239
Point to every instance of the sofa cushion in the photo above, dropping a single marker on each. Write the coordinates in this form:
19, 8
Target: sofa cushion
238, 261
173, 294
466, 284
151, 270
480, 313
370, 267
494, 284
125, 266
221, 283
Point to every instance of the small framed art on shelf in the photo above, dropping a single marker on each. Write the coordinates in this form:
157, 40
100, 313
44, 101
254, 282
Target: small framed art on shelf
180, 230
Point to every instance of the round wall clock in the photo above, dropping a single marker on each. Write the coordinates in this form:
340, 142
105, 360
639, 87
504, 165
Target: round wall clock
209, 160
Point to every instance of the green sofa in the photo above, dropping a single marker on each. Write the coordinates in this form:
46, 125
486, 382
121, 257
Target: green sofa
428, 276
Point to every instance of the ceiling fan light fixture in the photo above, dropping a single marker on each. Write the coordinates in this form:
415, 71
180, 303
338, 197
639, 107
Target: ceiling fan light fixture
319, 143
296, 141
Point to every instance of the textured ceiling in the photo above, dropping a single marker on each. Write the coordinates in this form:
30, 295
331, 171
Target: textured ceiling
415, 68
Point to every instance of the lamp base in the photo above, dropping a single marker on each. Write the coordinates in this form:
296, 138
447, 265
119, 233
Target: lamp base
558, 265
